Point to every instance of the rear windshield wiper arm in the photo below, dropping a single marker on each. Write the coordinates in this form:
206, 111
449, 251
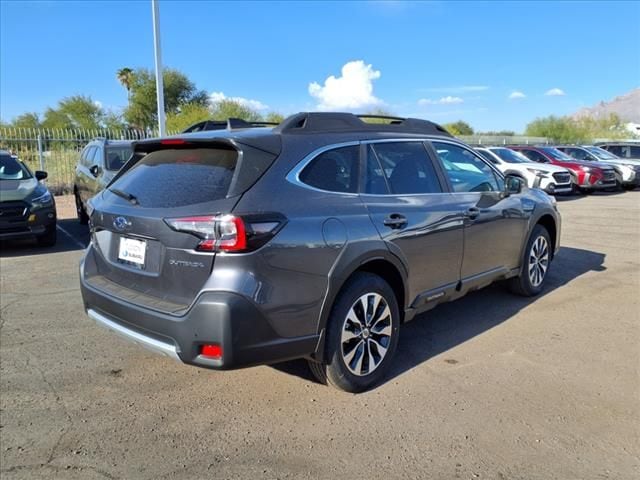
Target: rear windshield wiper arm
127, 196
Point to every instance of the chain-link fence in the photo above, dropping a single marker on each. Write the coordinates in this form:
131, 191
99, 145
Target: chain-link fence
56, 151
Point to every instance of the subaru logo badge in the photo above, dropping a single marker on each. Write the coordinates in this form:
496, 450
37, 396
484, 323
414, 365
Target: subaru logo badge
121, 223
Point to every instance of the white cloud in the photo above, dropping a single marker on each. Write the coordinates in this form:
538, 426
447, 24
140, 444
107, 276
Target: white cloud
555, 92
352, 90
457, 89
97, 103
516, 94
448, 100
247, 102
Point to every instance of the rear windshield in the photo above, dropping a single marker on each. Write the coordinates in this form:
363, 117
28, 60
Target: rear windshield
116, 157
12, 169
179, 177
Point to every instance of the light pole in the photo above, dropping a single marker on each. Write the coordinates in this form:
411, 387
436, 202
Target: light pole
158, 57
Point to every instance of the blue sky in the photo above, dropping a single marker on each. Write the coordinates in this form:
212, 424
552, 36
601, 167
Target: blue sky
437, 60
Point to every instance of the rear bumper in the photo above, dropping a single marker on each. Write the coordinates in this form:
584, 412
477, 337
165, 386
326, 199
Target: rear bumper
223, 318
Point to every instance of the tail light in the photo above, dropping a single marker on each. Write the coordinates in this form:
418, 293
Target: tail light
229, 233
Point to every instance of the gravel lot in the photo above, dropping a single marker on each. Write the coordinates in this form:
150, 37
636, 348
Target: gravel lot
492, 386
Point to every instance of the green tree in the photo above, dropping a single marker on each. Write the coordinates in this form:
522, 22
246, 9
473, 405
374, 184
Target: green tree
26, 120
78, 111
125, 77
581, 130
458, 128
188, 115
227, 108
379, 112
274, 117
178, 91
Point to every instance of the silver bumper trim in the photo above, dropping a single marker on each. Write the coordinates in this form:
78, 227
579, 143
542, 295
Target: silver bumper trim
147, 342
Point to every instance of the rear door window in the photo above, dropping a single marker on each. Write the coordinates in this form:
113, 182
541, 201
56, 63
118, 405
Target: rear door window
334, 170
180, 177
405, 166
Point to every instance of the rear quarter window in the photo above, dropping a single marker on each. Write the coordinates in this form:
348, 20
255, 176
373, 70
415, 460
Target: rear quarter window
334, 170
180, 177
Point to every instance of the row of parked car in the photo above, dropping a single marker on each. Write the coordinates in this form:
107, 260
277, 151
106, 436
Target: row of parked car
567, 168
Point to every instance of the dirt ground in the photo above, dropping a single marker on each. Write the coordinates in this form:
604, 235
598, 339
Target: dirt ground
491, 386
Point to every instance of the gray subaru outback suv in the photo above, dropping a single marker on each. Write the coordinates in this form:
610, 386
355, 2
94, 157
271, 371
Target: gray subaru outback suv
315, 239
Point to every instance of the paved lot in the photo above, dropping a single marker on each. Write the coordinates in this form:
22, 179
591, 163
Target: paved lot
492, 386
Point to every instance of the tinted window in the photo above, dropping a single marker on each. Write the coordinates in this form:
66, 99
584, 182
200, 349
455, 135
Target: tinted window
406, 167
335, 170
615, 149
116, 157
174, 178
467, 172
12, 169
634, 151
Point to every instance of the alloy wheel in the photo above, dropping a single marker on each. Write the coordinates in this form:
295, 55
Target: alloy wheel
538, 261
366, 334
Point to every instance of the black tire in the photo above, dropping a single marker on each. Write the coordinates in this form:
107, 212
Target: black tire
83, 218
629, 187
523, 284
585, 191
335, 370
49, 237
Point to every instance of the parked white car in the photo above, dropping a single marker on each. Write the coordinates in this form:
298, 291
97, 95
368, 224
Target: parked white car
550, 178
627, 170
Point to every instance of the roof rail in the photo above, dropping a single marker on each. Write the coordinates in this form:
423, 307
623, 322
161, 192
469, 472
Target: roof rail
229, 124
315, 122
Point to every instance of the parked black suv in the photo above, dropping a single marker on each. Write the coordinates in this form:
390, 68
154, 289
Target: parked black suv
98, 163
315, 239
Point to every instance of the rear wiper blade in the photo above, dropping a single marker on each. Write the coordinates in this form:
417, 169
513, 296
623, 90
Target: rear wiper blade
127, 196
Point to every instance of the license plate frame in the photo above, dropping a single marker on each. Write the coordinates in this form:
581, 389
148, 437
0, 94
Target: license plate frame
132, 252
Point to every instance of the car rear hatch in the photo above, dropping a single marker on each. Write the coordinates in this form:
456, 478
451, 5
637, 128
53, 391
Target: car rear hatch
150, 244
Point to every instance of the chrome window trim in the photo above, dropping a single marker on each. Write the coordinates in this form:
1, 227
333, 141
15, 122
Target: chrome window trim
294, 174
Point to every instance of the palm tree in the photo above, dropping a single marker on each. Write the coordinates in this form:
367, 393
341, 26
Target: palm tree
125, 77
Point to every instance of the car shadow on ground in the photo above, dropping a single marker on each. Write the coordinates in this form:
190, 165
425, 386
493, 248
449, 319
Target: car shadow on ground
71, 236
451, 324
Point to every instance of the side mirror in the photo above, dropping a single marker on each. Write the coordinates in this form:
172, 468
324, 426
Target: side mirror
95, 170
512, 185
40, 175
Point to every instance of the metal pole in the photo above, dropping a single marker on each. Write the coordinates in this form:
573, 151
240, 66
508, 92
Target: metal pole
158, 58
40, 153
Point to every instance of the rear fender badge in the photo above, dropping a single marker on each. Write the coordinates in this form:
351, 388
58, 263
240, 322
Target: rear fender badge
185, 263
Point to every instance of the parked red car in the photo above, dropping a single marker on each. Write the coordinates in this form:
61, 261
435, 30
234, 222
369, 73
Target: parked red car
586, 177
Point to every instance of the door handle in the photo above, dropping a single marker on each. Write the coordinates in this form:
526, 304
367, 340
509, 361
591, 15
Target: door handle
472, 213
395, 220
